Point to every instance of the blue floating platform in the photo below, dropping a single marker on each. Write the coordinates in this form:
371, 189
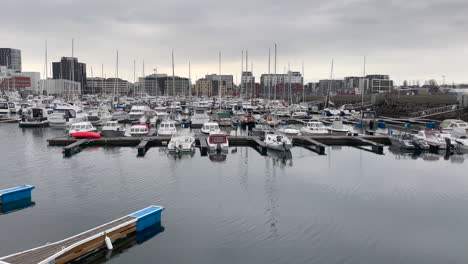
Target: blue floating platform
148, 217
16, 194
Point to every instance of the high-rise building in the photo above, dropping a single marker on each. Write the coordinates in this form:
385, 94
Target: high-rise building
203, 87
115, 86
152, 84
331, 86
247, 82
60, 87
379, 83
177, 86
11, 58
227, 83
70, 69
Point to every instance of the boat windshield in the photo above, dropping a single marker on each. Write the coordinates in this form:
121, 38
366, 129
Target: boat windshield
368, 115
218, 139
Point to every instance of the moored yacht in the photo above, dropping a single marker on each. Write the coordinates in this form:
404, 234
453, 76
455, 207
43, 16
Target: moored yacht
113, 129
81, 127
167, 128
34, 117
65, 115
209, 127
314, 128
278, 142
182, 144
217, 142
139, 130
338, 129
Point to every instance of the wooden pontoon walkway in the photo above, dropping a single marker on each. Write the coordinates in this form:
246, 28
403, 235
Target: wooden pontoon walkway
80, 245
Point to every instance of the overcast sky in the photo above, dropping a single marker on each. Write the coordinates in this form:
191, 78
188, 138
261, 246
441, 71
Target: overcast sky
407, 39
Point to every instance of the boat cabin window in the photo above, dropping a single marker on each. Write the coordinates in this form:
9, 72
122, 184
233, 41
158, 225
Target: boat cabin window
12, 105
368, 115
199, 111
218, 139
3, 106
279, 138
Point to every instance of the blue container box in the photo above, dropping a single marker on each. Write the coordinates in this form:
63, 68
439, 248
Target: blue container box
148, 217
16, 194
382, 125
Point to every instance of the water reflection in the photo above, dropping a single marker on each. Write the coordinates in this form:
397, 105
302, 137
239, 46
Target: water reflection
281, 158
400, 154
217, 157
16, 206
121, 245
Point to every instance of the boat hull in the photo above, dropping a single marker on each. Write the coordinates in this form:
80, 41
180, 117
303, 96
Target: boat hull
113, 133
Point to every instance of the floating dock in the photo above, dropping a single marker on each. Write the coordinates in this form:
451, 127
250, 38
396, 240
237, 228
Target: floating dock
90, 241
313, 143
16, 194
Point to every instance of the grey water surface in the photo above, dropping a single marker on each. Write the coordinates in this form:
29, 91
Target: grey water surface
350, 206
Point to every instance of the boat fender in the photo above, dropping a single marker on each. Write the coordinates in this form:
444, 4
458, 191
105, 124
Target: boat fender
109, 243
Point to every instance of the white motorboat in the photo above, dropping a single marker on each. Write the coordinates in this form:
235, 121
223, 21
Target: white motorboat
167, 128
238, 110
278, 142
139, 130
137, 111
65, 115
433, 138
449, 124
182, 144
113, 129
314, 128
209, 127
7, 108
161, 113
338, 129
289, 130
402, 140
99, 116
81, 127
460, 139
261, 129
34, 117
217, 142
199, 117
300, 114
120, 115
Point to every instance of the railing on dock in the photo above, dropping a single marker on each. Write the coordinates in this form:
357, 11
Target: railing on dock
82, 244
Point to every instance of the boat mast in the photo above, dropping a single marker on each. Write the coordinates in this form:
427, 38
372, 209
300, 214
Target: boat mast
220, 82
46, 72
190, 81
242, 74
363, 85
327, 99
173, 75
102, 76
276, 77
269, 74
302, 83
134, 78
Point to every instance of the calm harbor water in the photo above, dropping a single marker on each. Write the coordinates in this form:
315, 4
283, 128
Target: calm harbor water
350, 206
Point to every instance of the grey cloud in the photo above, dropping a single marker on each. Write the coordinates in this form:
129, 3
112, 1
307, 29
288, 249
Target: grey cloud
392, 32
